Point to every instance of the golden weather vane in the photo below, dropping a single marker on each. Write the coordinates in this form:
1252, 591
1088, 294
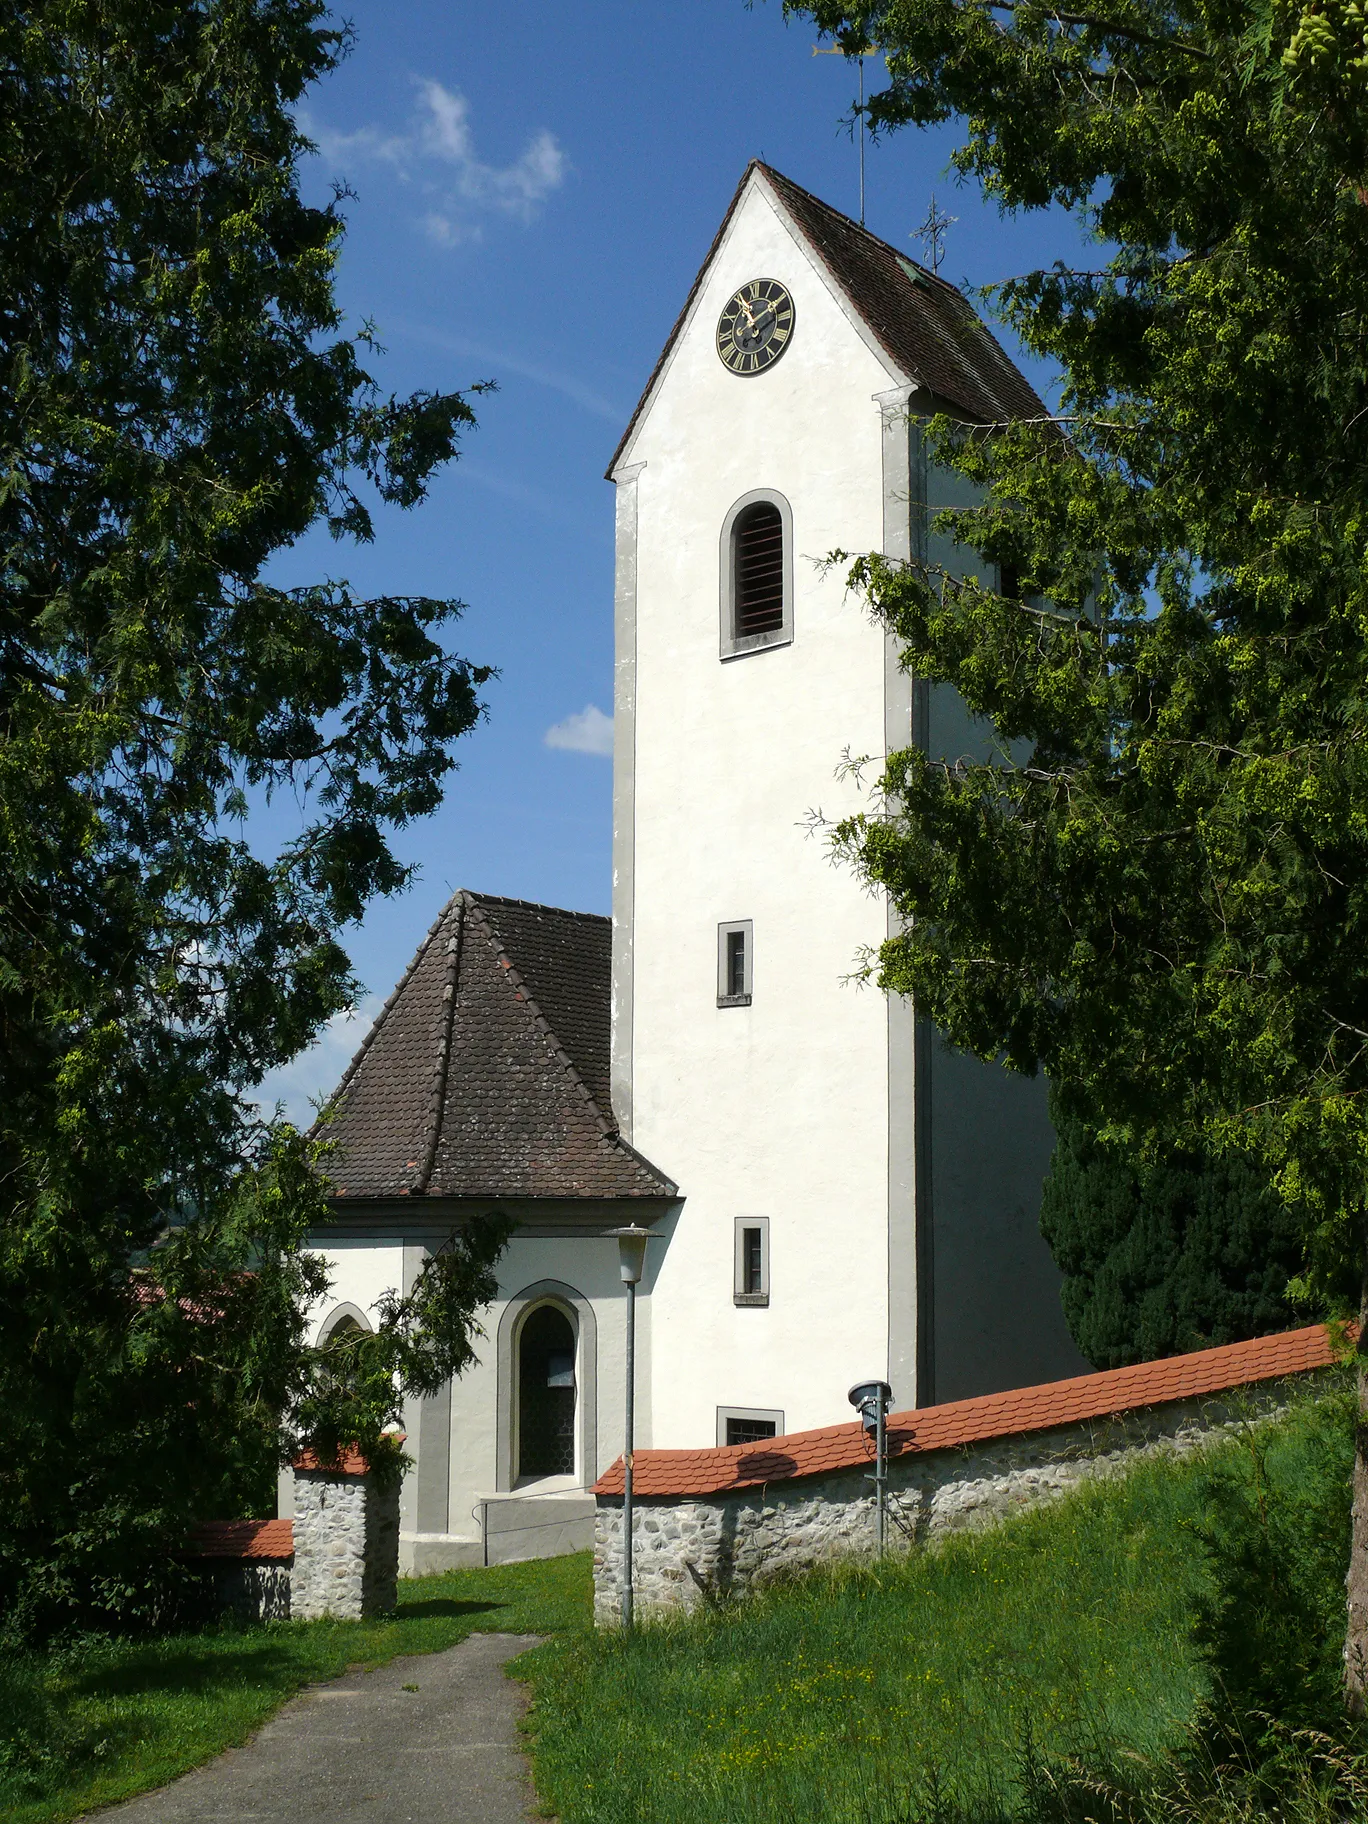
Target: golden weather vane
868, 50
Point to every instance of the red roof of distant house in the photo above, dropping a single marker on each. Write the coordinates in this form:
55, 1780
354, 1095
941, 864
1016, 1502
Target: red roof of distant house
242, 1539
348, 1462
995, 1415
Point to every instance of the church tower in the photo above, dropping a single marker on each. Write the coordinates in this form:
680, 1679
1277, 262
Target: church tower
857, 1200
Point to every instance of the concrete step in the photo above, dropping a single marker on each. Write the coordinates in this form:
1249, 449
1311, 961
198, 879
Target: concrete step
512, 1528
517, 1527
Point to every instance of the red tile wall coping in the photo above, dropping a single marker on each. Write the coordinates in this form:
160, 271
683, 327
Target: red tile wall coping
242, 1539
725, 1468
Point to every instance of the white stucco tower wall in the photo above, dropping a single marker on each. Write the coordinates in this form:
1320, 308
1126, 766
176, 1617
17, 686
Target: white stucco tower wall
897, 1183
777, 1110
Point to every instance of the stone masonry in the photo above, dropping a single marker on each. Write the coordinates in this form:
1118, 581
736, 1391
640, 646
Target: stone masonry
722, 1544
346, 1545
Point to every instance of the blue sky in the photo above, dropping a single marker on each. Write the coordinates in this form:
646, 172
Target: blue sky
536, 187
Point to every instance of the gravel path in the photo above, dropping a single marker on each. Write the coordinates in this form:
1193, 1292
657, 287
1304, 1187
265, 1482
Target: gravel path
371, 1747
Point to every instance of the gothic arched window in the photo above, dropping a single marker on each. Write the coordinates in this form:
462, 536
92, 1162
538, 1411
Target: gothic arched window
757, 574
546, 1394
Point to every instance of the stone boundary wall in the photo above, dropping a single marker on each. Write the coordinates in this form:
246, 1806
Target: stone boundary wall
339, 1524
250, 1588
337, 1556
706, 1548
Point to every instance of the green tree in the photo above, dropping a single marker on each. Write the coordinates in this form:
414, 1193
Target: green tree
1162, 1255
179, 404
1158, 892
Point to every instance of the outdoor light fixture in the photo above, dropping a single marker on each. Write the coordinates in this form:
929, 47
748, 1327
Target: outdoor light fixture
871, 1400
631, 1241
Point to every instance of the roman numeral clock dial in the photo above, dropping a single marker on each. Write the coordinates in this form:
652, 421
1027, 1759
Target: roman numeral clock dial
755, 328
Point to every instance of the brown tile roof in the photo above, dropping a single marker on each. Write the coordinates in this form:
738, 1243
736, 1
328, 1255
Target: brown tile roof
486, 1073
926, 326
994, 1415
242, 1539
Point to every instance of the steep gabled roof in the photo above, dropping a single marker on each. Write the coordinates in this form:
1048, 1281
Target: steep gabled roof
486, 1073
927, 328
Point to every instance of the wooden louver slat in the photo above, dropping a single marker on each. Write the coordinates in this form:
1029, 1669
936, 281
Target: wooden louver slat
759, 570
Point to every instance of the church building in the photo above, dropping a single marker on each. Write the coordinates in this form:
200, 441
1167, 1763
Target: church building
833, 1194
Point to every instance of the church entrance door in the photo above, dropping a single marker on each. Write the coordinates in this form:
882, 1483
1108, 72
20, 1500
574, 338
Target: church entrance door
546, 1394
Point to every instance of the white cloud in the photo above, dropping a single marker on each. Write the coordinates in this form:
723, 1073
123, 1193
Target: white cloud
590, 732
316, 1073
437, 155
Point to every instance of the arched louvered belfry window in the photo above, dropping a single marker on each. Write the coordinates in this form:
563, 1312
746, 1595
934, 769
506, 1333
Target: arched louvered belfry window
757, 574
759, 538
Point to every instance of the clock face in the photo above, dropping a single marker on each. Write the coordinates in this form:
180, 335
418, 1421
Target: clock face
755, 328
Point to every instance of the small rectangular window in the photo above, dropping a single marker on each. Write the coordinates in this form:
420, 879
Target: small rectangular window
750, 1259
749, 1431
752, 1267
748, 1424
734, 964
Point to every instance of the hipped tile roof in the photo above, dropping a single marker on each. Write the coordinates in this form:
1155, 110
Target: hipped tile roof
242, 1539
486, 1073
996, 1415
926, 326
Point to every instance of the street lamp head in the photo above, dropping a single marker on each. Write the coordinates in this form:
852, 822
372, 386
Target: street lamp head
867, 1397
631, 1241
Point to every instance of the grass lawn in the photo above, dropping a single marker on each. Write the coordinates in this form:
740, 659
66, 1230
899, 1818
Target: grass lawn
103, 1722
876, 1696
913, 1692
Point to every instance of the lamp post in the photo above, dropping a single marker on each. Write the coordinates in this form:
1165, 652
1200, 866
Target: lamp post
631, 1242
871, 1400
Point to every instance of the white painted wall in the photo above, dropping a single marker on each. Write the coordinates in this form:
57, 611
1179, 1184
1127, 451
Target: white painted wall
362, 1271
365, 1267
778, 1109
590, 1266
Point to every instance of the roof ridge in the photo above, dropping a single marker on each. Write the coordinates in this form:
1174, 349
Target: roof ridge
850, 222
886, 248
446, 1021
534, 905
385, 1010
608, 1128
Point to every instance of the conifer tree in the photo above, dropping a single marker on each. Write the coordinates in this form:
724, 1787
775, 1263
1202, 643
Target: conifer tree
178, 403
1164, 1255
1159, 892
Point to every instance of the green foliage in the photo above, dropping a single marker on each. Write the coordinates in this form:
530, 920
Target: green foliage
1269, 1623
96, 1721
420, 1341
1063, 1667
178, 403
1158, 893
1164, 1256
